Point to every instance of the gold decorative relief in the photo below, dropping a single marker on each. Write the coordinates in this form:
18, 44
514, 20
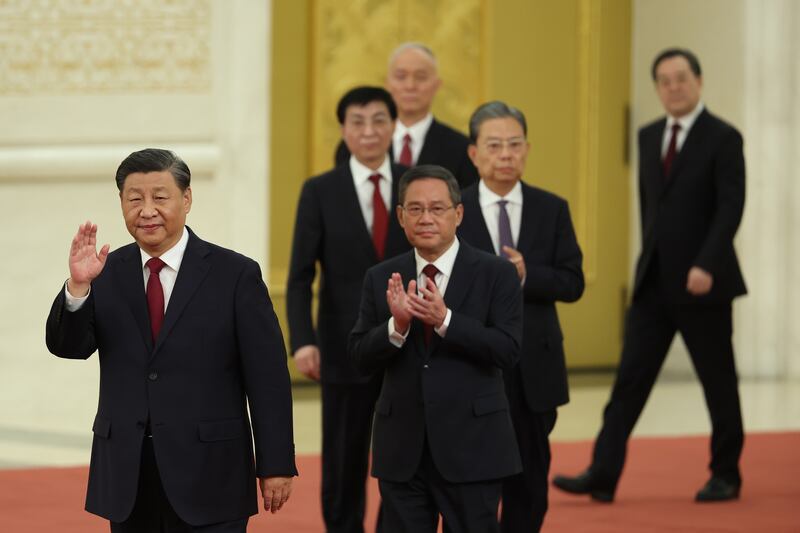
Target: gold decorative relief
351, 46
104, 46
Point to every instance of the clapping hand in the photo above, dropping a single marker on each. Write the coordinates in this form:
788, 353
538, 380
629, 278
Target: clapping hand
398, 300
428, 306
85, 263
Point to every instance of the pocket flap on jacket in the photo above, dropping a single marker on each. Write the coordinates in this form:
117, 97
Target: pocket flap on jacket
101, 427
220, 430
489, 404
383, 407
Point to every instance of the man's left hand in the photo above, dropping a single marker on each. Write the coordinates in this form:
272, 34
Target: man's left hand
275, 491
517, 260
699, 281
428, 306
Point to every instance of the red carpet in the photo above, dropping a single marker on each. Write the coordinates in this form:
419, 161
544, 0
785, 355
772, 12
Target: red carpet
655, 494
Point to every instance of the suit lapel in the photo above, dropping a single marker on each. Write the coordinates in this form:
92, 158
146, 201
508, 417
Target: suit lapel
429, 150
193, 271
476, 226
457, 287
130, 276
652, 164
530, 212
352, 215
690, 144
395, 239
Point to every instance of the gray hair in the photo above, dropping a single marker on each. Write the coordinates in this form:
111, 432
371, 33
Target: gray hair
433, 172
490, 110
413, 45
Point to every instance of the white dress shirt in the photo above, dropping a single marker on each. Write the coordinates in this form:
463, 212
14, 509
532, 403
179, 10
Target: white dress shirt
491, 212
169, 273
444, 264
686, 122
417, 132
365, 188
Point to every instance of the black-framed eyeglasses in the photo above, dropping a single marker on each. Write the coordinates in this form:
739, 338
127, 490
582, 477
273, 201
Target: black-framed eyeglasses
437, 211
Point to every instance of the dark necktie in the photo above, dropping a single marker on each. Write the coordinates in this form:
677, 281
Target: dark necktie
430, 272
504, 228
405, 153
672, 149
155, 295
380, 218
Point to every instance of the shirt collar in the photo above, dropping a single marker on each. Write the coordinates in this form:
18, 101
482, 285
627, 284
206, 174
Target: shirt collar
417, 131
172, 257
361, 172
444, 263
488, 197
686, 121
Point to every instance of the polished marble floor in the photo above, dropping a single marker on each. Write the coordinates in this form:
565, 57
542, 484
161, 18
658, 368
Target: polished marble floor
676, 407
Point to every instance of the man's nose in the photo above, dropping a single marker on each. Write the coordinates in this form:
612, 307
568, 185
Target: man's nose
149, 209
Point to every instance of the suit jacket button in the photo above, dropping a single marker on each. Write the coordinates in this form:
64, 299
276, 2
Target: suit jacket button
152, 376
425, 366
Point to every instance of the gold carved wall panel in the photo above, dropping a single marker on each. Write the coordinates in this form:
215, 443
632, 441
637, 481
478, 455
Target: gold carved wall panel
351, 44
104, 46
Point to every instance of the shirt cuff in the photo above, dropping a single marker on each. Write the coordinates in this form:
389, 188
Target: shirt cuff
395, 338
442, 330
73, 303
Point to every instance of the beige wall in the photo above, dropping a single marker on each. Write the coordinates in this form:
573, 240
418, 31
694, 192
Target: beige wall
74, 101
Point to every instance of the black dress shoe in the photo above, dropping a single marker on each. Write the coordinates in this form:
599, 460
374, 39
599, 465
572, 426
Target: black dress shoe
718, 490
585, 483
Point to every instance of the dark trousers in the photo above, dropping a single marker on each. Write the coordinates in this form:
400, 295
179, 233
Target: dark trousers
414, 506
346, 430
650, 327
525, 494
152, 512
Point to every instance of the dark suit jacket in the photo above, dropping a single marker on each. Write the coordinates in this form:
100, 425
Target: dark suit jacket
330, 230
450, 394
220, 347
690, 217
443, 146
553, 265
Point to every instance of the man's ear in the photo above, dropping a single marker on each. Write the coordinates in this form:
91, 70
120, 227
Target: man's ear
187, 199
472, 152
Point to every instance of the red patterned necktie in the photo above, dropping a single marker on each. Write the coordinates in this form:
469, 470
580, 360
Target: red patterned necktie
672, 149
405, 153
430, 272
155, 296
380, 218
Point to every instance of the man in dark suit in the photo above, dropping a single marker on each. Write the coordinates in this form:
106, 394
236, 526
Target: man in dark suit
343, 223
443, 436
532, 229
691, 186
187, 340
418, 138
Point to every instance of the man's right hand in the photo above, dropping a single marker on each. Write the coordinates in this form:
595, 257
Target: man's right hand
397, 299
306, 359
85, 263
